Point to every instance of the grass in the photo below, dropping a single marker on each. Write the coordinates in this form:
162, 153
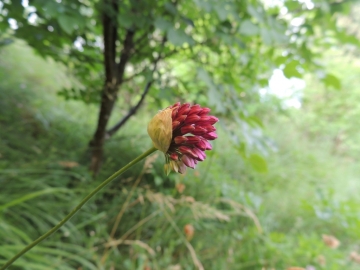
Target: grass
242, 219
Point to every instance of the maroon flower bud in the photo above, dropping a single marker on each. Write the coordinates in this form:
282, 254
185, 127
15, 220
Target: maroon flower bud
199, 130
210, 136
184, 109
181, 118
204, 111
183, 151
204, 145
180, 139
192, 139
187, 129
192, 119
188, 151
188, 161
175, 124
208, 128
174, 156
195, 109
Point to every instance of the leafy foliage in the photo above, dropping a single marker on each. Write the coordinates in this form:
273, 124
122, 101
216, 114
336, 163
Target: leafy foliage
219, 52
241, 218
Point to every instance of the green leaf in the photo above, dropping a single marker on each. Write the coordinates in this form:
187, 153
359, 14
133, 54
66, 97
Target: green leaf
256, 13
280, 60
206, 5
221, 12
67, 23
266, 36
332, 81
32, 195
178, 37
188, 21
247, 28
162, 24
125, 20
291, 71
158, 180
171, 8
52, 8
258, 163
292, 5
256, 120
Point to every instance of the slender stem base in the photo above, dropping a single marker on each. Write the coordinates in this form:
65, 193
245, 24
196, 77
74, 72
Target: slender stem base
78, 207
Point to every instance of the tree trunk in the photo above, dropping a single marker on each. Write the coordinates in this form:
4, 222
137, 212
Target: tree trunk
114, 73
97, 142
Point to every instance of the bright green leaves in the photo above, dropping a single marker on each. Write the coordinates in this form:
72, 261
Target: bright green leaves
291, 69
125, 20
258, 163
257, 12
67, 23
162, 24
214, 96
178, 37
331, 81
248, 28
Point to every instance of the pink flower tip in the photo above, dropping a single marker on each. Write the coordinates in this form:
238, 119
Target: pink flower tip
192, 128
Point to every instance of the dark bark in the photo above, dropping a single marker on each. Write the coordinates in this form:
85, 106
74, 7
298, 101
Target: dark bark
114, 73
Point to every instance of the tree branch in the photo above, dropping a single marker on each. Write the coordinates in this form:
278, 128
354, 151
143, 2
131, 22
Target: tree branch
131, 112
135, 108
125, 55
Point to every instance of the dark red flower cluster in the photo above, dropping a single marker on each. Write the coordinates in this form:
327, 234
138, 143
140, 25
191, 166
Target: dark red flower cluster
192, 129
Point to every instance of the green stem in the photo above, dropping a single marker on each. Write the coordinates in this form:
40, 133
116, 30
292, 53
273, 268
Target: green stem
78, 207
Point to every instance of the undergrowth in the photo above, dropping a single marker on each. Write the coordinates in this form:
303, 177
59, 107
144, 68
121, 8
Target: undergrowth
240, 219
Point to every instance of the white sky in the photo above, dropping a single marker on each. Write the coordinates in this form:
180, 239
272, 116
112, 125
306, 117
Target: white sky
289, 90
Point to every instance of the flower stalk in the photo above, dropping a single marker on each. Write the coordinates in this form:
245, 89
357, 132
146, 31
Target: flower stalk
78, 207
181, 131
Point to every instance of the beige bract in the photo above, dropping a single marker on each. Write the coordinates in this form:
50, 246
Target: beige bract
160, 130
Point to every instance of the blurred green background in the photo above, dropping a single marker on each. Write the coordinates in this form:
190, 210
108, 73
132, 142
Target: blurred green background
280, 188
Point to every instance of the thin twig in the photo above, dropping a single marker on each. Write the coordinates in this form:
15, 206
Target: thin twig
134, 109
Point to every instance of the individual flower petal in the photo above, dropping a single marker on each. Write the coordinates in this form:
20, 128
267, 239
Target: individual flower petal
209, 128
184, 109
199, 130
199, 153
203, 145
207, 119
175, 124
195, 109
182, 167
180, 139
192, 119
188, 151
187, 129
188, 161
192, 139
204, 111
181, 118
210, 136
174, 156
